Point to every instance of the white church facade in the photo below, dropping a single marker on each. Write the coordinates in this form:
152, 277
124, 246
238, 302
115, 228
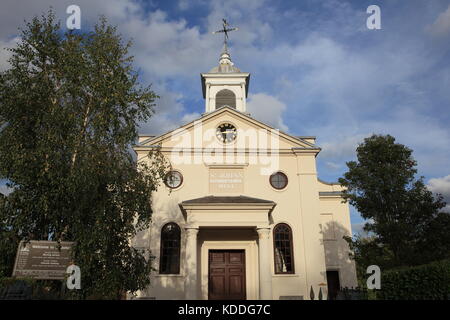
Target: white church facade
242, 213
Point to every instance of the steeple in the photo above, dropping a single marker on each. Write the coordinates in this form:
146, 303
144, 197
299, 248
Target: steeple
225, 57
226, 65
225, 85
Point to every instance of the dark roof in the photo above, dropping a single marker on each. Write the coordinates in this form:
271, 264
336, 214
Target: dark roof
225, 199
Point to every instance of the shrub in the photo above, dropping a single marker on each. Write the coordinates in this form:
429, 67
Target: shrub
425, 282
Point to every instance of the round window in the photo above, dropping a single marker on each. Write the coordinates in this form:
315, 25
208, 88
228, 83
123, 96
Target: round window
278, 180
173, 179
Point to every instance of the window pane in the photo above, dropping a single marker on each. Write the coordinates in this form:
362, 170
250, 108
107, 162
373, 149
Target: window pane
170, 249
278, 180
283, 249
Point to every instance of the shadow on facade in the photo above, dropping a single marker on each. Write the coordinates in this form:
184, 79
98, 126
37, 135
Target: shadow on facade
165, 287
337, 253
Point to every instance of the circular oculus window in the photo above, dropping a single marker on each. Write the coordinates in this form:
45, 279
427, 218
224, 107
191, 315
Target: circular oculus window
278, 180
173, 179
226, 132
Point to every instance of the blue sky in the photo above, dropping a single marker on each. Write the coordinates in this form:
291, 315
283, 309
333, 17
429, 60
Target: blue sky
316, 68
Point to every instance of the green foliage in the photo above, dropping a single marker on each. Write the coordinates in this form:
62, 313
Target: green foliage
8, 248
404, 218
69, 108
368, 251
425, 282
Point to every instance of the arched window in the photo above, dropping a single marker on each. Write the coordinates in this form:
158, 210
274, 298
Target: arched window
225, 97
283, 249
169, 259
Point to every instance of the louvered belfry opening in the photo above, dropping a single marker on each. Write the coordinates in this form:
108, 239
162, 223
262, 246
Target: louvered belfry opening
225, 97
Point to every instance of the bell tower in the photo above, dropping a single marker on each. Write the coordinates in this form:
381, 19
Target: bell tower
225, 85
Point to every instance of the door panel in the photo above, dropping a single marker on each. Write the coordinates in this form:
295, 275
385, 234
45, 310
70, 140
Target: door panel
218, 284
235, 285
226, 275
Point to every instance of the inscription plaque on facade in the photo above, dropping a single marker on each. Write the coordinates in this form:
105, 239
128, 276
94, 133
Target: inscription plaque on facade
226, 180
42, 259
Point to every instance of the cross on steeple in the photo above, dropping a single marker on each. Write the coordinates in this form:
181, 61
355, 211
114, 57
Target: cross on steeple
225, 29
225, 84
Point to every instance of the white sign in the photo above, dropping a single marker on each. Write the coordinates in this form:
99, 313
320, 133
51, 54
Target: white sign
226, 180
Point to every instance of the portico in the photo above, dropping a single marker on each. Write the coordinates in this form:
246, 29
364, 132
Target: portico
228, 223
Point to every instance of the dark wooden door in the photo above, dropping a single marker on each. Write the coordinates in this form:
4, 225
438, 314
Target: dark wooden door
226, 275
333, 284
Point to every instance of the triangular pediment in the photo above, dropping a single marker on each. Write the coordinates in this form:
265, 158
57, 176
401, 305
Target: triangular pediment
242, 121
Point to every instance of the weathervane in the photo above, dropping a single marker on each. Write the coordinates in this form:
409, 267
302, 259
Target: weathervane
225, 29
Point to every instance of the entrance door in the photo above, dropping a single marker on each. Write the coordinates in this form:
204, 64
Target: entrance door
333, 284
226, 279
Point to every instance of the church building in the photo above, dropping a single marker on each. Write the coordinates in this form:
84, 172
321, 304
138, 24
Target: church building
242, 214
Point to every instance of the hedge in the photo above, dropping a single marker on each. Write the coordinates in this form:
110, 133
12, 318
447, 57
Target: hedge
425, 282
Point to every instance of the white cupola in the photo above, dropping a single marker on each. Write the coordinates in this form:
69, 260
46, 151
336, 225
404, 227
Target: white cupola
225, 85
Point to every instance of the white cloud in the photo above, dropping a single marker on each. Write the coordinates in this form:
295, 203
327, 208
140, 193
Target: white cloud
14, 12
441, 26
6, 54
442, 186
421, 132
188, 117
169, 111
267, 109
247, 15
5, 190
340, 147
333, 165
183, 5
357, 229
355, 93
164, 48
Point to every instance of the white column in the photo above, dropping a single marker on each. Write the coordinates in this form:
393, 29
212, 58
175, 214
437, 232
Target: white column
265, 274
191, 284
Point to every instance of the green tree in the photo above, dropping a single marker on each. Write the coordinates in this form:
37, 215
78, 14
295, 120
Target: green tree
403, 216
8, 246
69, 107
